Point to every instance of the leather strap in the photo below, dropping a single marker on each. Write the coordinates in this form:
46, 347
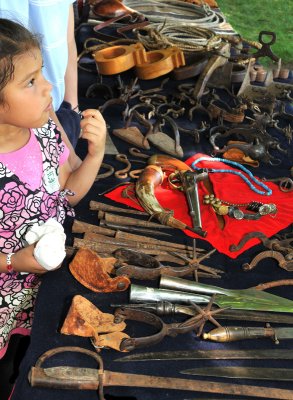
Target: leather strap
104, 24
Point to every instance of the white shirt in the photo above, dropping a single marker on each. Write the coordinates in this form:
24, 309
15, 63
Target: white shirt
48, 18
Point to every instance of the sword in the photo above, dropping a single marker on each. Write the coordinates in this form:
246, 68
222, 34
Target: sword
256, 354
96, 379
271, 374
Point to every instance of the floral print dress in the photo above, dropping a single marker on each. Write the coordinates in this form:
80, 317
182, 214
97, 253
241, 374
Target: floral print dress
20, 208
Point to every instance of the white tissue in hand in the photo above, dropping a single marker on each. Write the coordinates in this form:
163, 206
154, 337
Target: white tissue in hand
50, 250
37, 231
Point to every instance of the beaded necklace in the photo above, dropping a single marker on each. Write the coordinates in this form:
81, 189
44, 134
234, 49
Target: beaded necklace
223, 207
267, 191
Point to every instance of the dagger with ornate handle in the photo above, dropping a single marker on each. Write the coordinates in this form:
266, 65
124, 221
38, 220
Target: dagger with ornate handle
235, 333
168, 308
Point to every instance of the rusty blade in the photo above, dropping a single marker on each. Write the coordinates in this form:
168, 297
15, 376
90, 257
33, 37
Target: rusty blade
85, 378
271, 374
214, 354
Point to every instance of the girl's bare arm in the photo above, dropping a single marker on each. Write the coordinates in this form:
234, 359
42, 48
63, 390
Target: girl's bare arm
80, 180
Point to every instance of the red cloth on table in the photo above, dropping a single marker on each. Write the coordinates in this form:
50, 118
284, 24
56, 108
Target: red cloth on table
228, 187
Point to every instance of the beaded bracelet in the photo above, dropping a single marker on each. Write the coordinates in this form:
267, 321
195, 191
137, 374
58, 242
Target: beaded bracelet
8, 263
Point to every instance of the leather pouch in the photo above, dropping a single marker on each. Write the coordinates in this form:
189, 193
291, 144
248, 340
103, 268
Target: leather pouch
93, 272
86, 320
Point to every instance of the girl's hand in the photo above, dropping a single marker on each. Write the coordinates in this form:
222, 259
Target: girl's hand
24, 261
94, 130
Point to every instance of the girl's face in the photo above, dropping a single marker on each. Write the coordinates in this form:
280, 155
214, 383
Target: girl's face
27, 96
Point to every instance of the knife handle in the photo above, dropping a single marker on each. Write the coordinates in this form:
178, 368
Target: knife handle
235, 333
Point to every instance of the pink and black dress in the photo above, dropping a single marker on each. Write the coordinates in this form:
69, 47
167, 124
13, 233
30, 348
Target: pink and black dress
29, 194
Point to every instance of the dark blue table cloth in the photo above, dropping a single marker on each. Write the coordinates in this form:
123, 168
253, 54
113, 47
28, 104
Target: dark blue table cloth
59, 287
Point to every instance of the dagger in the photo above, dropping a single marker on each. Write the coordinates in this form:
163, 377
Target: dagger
272, 374
222, 354
167, 308
235, 333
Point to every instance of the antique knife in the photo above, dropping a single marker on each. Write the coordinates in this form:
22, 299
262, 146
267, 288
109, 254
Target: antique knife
235, 333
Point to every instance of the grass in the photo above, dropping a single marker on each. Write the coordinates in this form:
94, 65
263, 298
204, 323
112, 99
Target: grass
249, 17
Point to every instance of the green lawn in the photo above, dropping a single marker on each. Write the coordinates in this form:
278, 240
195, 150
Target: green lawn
249, 17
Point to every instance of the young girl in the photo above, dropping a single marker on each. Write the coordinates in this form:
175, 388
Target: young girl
37, 182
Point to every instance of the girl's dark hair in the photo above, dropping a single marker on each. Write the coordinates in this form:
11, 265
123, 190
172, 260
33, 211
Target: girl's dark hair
15, 40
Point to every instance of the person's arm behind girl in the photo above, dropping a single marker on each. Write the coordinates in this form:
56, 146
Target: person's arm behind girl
74, 175
71, 87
